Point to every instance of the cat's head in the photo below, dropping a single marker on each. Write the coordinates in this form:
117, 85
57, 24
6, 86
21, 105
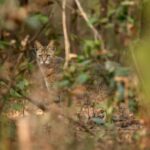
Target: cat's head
44, 54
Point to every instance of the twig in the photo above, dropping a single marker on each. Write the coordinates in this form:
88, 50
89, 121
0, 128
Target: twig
34, 102
85, 17
67, 6
66, 38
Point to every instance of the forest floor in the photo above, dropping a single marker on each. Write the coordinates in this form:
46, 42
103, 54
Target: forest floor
120, 133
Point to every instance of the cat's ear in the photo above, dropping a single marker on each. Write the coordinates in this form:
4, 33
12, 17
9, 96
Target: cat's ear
51, 44
38, 45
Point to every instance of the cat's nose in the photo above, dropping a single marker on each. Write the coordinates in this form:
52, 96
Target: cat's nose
44, 59
47, 62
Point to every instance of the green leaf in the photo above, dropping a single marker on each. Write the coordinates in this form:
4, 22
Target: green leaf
23, 84
90, 48
80, 58
98, 121
111, 66
121, 92
72, 68
16, 107
85, 62
121, 71
121, 13
64, 83
82, 78
3, 44
14, 93
93, 20
133, 105
30, 66
36, 20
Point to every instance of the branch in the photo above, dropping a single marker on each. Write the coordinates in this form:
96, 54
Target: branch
85, 17
34, 102
66, 38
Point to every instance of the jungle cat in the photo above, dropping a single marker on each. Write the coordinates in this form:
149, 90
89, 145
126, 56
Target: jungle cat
50, 65
45, 54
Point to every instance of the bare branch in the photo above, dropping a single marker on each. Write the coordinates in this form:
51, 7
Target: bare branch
34, 102
66, 38
85, 17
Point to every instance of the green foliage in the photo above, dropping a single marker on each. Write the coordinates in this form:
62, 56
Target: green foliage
17, 107
14, 93
78, 72
82, 78
90, 48
22, 84
122, 13
121, 92
133, 105
94, 20
17, 92
2, 2
35, 21
8, 132
98, 121
3, 44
